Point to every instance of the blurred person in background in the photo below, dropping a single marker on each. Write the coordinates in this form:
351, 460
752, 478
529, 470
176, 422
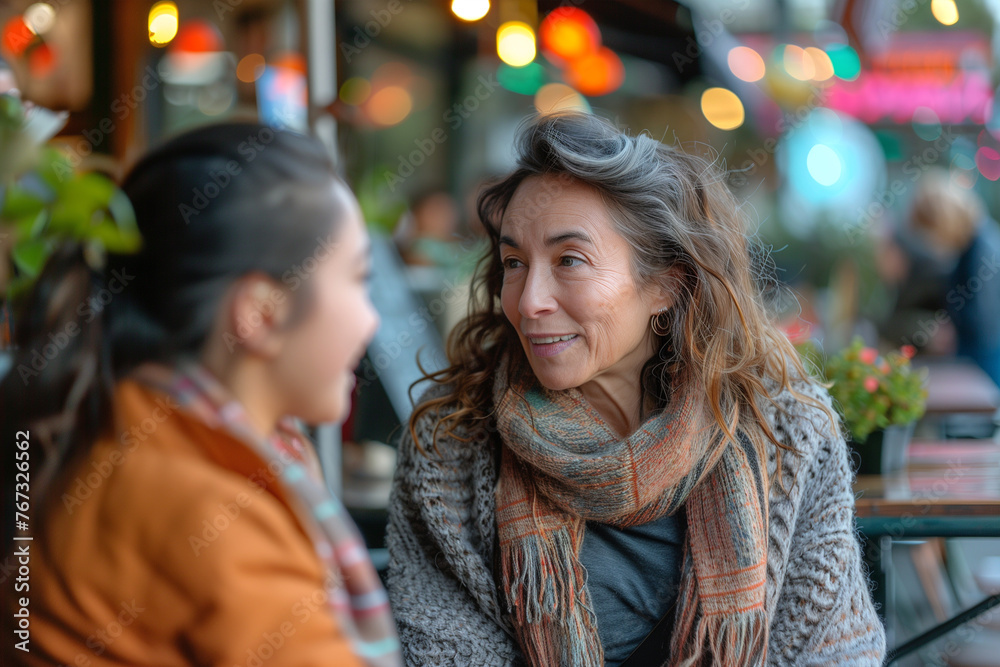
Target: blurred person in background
181, 517
625, 460
430, 231
954, 225
915, 279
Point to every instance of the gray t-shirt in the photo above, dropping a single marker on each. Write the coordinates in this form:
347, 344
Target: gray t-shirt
633, 576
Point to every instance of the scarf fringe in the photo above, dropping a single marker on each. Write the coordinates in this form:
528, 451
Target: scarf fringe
551, 633
739, 641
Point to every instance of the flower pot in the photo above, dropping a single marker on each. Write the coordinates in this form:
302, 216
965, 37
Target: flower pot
884, 450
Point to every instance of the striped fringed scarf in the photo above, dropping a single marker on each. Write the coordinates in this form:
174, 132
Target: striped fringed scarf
356, 595
562, 465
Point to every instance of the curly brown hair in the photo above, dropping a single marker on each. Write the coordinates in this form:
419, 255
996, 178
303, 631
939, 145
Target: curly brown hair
679, 217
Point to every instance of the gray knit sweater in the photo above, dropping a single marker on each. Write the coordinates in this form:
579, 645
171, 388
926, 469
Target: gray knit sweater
442, 541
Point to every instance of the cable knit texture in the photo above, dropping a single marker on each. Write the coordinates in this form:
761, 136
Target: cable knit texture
442, 546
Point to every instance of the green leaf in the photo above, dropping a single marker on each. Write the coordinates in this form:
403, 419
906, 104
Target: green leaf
11, 112
121, 210
19, 203
55, 168
18, 285
115, 239
31, 226
29, 256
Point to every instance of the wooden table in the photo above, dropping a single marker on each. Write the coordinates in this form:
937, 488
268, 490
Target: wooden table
950, 488
959, 387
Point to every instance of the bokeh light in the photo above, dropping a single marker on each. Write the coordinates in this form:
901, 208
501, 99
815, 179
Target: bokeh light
926, 123
389, 106
833, 164
553, 97
746, 64
722, 108
829, 32
163, 23
988, 162
963, 171
798, 63
569, 33
516, 43
524, 80
824, 164
470, 10
250, 67
821, 63
845, 61
598, 73
198, 36
355, 91
40, 17
945, 11
17, 36
41, 61
290, 60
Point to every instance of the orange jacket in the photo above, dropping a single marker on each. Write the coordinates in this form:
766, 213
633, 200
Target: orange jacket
172, 544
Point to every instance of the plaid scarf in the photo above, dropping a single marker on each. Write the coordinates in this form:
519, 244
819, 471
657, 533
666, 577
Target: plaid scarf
562, 465
355, 593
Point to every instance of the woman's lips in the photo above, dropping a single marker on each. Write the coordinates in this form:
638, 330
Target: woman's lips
549, 349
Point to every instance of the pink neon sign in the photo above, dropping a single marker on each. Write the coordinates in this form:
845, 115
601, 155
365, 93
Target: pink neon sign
879, 95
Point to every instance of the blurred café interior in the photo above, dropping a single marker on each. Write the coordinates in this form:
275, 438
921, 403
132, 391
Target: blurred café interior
853, 132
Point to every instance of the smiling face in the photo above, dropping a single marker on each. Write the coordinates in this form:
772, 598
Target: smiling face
315, 369
568, 288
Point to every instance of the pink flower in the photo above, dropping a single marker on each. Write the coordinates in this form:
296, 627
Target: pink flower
798, 331
868, 355
871, 384
908, 351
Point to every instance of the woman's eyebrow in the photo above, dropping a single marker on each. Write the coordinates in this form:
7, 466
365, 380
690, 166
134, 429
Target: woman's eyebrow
567, 236
552, 240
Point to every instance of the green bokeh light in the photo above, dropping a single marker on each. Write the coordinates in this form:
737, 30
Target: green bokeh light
846, 64
524, 80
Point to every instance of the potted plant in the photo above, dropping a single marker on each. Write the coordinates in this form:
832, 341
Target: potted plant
879, 397
46, 201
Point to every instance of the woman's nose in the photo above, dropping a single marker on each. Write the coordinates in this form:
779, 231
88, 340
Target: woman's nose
537, 297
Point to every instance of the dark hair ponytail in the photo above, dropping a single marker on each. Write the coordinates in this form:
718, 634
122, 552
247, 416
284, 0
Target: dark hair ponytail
212, 205
59, 381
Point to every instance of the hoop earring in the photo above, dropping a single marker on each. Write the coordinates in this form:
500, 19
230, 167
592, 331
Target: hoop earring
658, 327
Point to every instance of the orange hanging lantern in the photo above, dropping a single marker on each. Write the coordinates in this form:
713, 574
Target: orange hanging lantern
569, 33
599, 73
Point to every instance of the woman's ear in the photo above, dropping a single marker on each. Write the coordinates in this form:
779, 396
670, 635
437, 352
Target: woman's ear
669, 287
255, 314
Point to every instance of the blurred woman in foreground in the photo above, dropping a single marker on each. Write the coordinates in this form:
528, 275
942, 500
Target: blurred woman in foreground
184, 518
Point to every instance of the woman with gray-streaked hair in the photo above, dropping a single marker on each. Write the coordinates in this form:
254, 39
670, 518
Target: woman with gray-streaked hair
955, 226
625, 461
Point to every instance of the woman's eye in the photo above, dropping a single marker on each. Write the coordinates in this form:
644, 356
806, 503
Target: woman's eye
570, 261
511, 263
